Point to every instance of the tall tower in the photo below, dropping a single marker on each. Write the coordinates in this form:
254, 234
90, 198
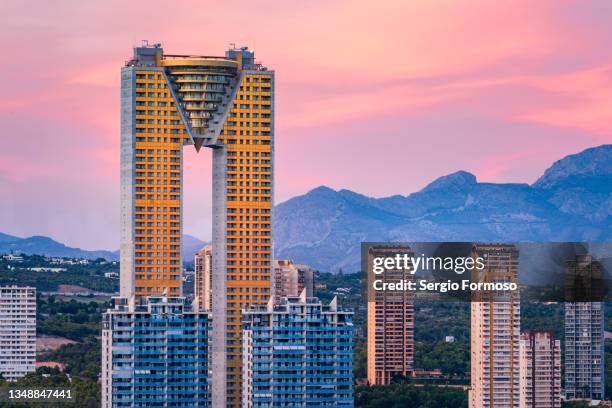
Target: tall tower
390, 323
584, 329
226, 104
495, 331
584, 350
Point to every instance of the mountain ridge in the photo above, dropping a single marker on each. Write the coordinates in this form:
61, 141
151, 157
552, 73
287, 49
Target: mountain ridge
43, 245
571, 201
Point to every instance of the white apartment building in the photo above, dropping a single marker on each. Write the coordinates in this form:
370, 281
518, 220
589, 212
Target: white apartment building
290, 279
17, 331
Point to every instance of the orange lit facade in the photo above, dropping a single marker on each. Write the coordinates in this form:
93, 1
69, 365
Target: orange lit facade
155, 183
226, 104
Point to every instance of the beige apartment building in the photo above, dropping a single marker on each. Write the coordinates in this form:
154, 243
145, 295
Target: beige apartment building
540, 370
290, 279
202, 279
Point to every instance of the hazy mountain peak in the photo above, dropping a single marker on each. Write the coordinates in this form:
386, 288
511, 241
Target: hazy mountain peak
596, 161
458, 181
321, 190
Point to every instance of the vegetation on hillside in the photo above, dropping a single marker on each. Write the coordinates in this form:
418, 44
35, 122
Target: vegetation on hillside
74, 320
90, 276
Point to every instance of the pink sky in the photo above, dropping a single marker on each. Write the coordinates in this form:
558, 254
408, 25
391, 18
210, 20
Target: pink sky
397, 91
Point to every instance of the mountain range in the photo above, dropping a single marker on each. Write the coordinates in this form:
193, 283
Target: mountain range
42, 245
571, 201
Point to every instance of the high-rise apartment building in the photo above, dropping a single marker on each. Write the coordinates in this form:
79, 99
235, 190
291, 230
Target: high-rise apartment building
584, 329
495, 331
298, 352
584, 350
226, 104
290, 279
202, 280
540, 370
390, 324
17, 331
155, 353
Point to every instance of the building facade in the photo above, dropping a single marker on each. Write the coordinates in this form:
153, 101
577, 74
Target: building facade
584, 350
290, 279
226, 104
298, 352
495, 331
390, 334
540, 370
17, 331
202, 280
156, 353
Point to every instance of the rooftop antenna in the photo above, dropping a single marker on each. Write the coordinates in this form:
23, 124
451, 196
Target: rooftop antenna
232, 46
145, 43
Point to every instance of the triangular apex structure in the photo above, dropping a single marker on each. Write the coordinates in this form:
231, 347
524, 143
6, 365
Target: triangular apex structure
205, 91
203, 88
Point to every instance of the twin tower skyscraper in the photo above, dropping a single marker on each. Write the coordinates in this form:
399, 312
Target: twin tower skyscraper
225, 104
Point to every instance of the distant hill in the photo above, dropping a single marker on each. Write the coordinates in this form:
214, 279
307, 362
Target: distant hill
41, 245
191, 245
572, 201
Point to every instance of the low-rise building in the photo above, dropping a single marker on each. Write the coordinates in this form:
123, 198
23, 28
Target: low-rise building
297, 352
155, 354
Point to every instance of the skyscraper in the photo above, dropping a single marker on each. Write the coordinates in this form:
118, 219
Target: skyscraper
155, 353
584, 329
390, 325
540, 370
226, 104
203, 274
495, 331
298, 352
17, 331
290, 279
584, 351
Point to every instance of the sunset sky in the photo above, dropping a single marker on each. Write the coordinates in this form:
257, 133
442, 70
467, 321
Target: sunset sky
376, 97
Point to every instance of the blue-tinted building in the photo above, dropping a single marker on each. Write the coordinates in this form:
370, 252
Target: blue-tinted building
297, 353
584, 350
155, 354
